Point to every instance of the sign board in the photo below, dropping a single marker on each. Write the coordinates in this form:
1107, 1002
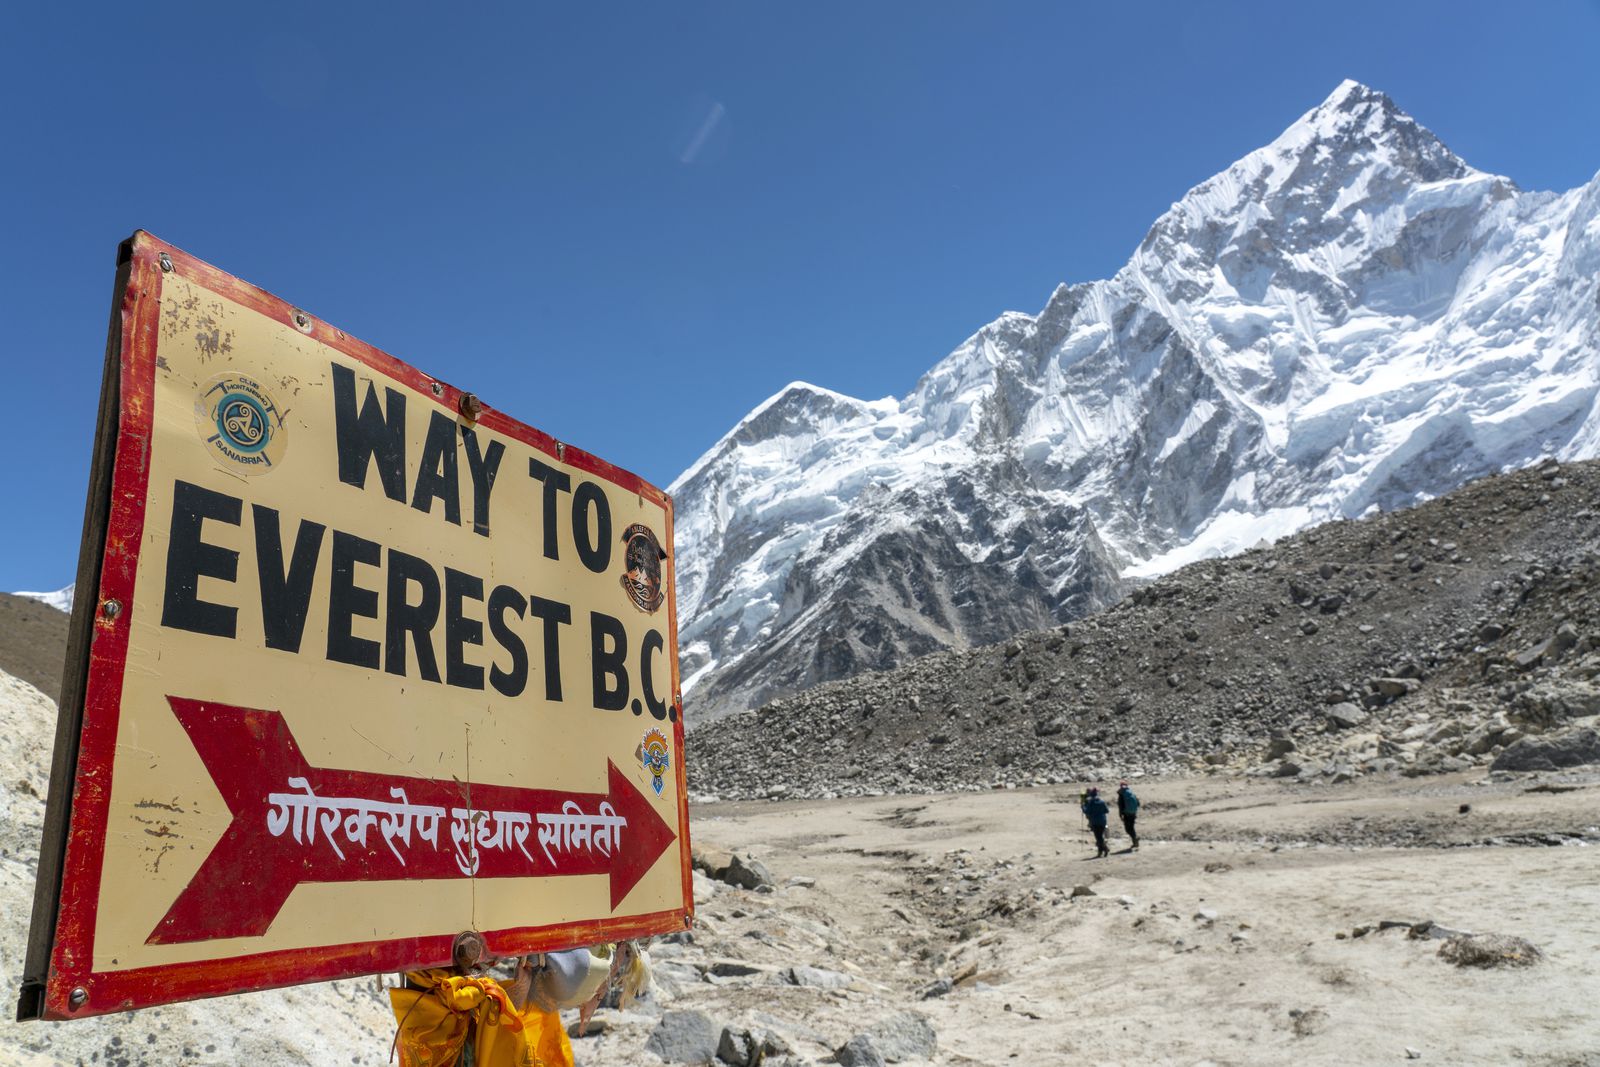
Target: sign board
358, 664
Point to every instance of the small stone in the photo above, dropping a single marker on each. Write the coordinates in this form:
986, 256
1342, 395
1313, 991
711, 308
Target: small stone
1308, 627
1082, 891
1413, 1054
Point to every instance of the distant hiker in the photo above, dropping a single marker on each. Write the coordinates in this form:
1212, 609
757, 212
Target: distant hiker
1128, 808
1096, 811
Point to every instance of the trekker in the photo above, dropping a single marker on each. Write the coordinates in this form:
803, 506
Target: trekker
1128, 808
1096, 811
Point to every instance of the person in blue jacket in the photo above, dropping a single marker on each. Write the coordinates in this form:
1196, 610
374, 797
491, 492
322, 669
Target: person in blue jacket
1097, 811
1128, 808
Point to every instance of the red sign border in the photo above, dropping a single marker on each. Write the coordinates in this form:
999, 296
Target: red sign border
71, 942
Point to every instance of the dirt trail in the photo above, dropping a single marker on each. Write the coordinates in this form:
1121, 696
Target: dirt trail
1216, 942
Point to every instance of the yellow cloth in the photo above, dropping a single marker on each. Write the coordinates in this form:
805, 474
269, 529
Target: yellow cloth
435, 1020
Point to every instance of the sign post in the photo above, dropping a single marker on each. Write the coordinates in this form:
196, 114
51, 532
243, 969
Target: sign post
357, 664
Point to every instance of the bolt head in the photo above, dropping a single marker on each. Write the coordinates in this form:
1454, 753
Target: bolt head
471, 406
112, 608
166, 263
78, 997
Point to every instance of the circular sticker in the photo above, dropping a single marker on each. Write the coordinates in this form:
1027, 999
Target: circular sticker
240, 423
642, 580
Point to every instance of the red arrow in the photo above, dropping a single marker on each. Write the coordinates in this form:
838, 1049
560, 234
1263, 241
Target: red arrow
354, 826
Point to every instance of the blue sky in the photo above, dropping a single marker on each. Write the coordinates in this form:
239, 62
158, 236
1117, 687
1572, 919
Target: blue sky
628, 224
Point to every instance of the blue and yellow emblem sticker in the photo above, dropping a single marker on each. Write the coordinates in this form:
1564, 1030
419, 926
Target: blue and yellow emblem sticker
239, 422
656, 756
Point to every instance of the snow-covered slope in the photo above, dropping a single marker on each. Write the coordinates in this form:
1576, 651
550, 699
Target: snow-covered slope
61, 599
1350, 317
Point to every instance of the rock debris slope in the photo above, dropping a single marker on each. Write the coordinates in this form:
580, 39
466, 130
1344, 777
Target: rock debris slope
1463, 632
1350, 317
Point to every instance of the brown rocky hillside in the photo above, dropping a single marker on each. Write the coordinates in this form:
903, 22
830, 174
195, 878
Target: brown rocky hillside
1434, 638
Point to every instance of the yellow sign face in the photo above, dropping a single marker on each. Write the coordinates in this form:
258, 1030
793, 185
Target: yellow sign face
383, 666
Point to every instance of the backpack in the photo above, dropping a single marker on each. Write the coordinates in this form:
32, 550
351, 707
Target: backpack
1127, 803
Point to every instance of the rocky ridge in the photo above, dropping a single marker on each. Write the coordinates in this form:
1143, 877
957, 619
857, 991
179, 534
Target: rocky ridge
1461, 633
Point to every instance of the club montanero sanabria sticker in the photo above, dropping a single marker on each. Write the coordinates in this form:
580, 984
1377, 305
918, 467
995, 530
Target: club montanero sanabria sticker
240, 423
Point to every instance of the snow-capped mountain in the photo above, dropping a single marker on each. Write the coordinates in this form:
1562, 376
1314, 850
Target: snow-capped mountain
1350, 317
61, 599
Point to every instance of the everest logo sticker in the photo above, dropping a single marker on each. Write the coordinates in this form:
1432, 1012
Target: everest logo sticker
239, 421
642, 580
656, 756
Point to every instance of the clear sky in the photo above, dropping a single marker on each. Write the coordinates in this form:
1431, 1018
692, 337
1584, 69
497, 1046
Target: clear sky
628, 224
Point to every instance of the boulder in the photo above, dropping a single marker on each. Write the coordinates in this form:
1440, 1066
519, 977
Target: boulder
684, 1037
815, 978
1532, 657
1489, 950
858, 1052
1551, 752
906, 1035
1393, 688
733, 969
1566, 636
1482, 739
738, 1048
1345, 716
713, 861
748, 874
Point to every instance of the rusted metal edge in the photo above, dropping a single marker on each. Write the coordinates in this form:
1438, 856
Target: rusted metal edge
75, 670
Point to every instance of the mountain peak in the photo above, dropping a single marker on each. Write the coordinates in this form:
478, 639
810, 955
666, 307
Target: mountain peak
1356, 117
